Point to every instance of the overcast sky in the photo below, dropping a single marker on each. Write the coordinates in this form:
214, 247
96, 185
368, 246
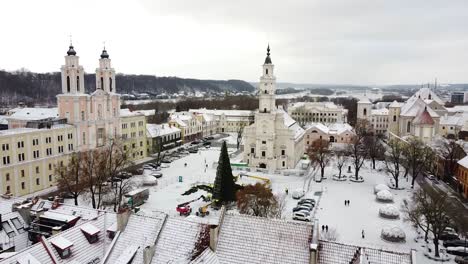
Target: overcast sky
312, 41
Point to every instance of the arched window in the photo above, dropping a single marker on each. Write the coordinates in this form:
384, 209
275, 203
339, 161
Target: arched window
102, 83
408, 127
394, 118
266, 71
264, 110
430, 96
365, 111
68, 83
78, 83
266, 92
110, 84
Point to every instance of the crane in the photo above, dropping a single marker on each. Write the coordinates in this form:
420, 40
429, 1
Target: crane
266, 181
185, 209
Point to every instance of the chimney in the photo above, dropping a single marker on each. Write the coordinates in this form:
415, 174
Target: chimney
214, 230
314, 243
122, 219
148, 254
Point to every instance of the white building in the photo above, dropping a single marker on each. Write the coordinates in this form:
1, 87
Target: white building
274, 140
317, 112
226, 120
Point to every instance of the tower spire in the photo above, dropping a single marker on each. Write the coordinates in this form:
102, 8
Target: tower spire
268, 59
71, 51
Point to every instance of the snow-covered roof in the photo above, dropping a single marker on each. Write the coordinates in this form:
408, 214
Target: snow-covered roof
89, 228
319, 126
338, 253
290, 123
395, 104
58, 216
127, 113
223, 112
34, 113
206, 257
339, 128
154, 130
454, 120
364, 100
247, 239
423, 118
380, 111
141, 231
61, 242
178, 235
3, 120
427, 94
16, 224
414, 106
463, 162
321, 106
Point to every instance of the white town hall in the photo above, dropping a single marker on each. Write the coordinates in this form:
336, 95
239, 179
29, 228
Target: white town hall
274, 140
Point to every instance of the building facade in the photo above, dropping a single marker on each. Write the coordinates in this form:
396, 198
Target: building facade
334, 133
133, 133
162, 137
317, 112
95, 115
274, 140
226, 121
29, 157
462, 176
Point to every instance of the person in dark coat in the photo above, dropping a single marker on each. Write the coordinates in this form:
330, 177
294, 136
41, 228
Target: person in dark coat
323, 228
326, 228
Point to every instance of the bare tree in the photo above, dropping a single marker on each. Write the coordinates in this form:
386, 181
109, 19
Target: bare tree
451, 152
374, 148
341, 160
69, 178
418, 157
240, 131
356, 149
394, 159
320, 154
95, 174
117, 160
430, 211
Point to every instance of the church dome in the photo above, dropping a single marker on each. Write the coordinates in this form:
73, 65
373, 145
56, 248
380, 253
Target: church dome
268, 59
104, 54
71, 51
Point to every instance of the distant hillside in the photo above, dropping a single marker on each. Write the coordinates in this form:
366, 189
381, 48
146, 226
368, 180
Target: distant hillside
43, 87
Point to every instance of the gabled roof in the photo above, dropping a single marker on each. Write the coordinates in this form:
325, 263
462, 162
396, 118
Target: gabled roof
206, 257
427, 94
394, 104
319, 126
364, 100
176, 241
414, 106
290, 123
337, 253
154, 130
248, 239
423, 118
464, 162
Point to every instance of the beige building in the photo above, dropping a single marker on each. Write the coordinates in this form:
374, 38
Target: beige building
133, 133
410, 118
191, 126
335, 133
29, 156
225, 121
317, 112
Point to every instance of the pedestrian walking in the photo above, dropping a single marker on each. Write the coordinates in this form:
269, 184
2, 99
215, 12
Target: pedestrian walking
326, 228
348, 202
286, 191
345, 202
323, 228
363, 233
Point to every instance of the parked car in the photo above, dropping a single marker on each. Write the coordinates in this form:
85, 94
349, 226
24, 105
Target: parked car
302, 216
193, 150
306, 200
157, 174
148, 167
297, 194
301, 208
165, 165
165, 160
449, 236
455, 243
431, 177
308, 204
461, 260
196, 142
458, 251
210, 138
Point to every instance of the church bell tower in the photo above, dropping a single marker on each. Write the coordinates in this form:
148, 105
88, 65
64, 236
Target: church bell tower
267, 87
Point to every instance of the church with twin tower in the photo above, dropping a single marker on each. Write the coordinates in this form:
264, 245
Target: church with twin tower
95, 115
274, 141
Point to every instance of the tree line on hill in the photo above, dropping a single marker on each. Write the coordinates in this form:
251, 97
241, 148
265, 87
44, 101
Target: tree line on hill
42, 88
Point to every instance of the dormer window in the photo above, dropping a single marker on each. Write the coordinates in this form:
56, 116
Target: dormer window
266, 71
112, 230
63, 246
90, 232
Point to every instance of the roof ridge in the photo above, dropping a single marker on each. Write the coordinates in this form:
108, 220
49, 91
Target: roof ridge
270, 219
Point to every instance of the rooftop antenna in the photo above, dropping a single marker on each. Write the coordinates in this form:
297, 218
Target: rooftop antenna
104, 44
71, 42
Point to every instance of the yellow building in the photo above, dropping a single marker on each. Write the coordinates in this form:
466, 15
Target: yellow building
133, 133
29, 156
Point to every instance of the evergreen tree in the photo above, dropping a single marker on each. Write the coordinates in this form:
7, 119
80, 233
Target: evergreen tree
224, 189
